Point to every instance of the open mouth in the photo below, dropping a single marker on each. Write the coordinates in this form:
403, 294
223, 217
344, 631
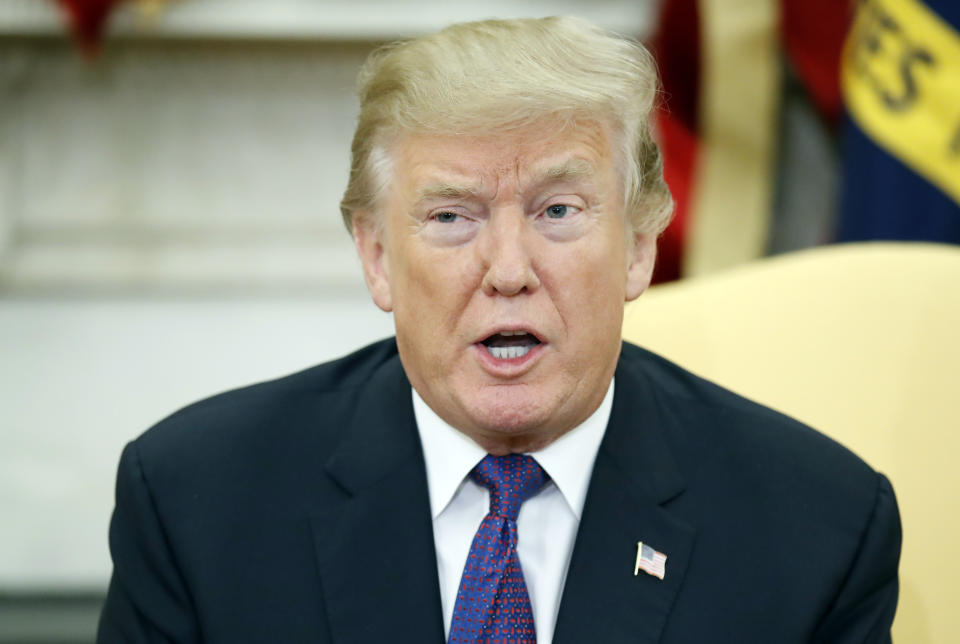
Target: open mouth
508, 345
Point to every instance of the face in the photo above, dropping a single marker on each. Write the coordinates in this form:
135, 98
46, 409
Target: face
506, 260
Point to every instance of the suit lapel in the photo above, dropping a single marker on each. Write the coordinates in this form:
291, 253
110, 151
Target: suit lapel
375, 549
634, 475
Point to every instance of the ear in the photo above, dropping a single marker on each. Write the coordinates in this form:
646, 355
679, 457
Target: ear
373, 256
640, 267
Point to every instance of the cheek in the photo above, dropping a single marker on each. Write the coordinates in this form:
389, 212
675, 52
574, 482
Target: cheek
433, 287
590, 293
599, 270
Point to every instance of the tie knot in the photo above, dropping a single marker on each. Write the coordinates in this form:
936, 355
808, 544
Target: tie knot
511, 479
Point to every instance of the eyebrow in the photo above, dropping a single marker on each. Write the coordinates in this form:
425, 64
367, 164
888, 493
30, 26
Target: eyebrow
444, 190
570, 170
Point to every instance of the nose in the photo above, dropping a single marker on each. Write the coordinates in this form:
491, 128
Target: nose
505, 252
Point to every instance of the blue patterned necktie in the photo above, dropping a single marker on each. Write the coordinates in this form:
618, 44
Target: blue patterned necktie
493, 606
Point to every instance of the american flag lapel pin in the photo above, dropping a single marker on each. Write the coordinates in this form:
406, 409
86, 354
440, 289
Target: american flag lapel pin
650, 561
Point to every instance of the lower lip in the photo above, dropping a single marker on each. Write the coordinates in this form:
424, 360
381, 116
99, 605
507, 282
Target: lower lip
507, 366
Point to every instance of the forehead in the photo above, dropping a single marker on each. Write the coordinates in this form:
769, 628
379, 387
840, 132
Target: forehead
540, 152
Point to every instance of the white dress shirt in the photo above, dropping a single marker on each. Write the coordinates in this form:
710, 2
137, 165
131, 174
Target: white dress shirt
547, 523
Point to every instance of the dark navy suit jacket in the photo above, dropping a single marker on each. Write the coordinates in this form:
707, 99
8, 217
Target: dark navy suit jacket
297, 511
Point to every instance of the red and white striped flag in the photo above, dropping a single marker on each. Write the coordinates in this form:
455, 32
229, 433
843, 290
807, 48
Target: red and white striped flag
650, 561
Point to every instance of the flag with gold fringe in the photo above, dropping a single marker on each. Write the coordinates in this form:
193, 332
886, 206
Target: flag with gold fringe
901, 83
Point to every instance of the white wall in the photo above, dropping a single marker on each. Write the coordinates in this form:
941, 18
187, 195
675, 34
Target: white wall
81, 377
176, 166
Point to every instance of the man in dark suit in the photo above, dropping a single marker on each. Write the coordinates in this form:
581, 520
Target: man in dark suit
505, 468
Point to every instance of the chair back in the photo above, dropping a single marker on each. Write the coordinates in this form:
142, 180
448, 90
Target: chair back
862, 342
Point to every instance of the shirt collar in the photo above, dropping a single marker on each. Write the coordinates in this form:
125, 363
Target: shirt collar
450, 455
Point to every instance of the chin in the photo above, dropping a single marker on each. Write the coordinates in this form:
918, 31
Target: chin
502, 411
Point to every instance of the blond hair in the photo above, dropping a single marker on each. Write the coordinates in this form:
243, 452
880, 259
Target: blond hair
500, 74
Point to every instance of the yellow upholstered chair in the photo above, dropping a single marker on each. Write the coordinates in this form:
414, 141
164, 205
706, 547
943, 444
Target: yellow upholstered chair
861, 341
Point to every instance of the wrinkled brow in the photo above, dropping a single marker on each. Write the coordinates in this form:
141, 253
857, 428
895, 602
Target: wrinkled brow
570, 170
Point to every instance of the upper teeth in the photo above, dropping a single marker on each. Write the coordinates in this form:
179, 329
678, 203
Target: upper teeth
506, 353
513, 333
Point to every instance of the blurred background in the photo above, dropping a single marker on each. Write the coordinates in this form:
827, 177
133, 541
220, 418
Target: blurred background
170, 173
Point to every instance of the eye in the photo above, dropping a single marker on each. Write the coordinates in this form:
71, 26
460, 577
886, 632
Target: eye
560, 211
557, 211
446, 217
562, 218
